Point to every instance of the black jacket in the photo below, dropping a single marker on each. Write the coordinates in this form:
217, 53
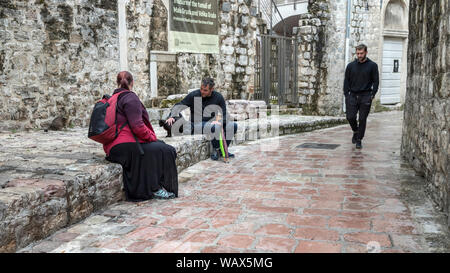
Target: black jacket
215, 99
361, 77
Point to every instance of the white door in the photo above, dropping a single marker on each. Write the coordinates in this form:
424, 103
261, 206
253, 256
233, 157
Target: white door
391, 71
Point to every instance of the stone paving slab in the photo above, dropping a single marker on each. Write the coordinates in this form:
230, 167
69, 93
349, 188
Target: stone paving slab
275, 197
51, 180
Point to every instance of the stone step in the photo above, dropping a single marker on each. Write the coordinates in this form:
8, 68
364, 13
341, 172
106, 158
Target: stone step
52, 180
286, 111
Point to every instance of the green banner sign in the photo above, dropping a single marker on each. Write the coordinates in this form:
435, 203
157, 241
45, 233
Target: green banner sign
194, 26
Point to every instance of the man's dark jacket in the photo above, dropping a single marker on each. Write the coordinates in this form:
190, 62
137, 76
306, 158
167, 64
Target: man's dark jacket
361, 77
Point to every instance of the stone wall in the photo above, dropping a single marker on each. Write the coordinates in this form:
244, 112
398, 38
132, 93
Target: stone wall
139, 15
366, 28
425, 141
233, 67
311, 42
193, 67
330, 97
321, 62
159, 33
56, 57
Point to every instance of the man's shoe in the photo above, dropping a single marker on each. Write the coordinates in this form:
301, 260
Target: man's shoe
358, 144
354, 138
163, 194
215, 155
230, 155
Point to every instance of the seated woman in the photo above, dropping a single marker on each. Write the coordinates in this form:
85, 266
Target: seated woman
153, 173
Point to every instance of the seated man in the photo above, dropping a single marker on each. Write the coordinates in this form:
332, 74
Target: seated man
206, 105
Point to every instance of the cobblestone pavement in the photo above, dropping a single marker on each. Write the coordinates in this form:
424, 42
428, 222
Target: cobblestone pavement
289, 199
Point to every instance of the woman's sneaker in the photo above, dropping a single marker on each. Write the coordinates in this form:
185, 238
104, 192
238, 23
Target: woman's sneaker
163, 194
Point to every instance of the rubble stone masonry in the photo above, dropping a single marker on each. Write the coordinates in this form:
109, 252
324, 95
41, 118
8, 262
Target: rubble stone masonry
425, 141
56, 58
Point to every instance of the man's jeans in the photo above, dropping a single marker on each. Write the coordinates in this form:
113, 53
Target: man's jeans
358, 103
206, 127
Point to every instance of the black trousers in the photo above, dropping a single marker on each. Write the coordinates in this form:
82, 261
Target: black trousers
358, 103
144, 174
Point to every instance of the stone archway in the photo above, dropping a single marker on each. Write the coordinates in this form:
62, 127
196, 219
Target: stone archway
291, 22
394, 51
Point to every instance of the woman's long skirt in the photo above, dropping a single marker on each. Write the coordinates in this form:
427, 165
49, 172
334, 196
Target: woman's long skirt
144, 174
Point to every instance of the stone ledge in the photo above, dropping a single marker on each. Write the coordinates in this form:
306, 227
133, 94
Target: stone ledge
51, 180
238, 109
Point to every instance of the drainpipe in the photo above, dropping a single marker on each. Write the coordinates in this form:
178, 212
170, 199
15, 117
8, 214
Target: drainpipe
271, 15
123, 46
347, 42
347, 31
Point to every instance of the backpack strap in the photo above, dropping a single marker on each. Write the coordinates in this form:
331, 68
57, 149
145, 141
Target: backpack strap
141, 151
117, 103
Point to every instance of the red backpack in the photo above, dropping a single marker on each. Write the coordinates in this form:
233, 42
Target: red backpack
103, 125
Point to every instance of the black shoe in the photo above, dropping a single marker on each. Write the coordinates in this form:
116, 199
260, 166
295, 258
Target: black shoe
215, 155
358, 144
230, 155
163, 194
354, 138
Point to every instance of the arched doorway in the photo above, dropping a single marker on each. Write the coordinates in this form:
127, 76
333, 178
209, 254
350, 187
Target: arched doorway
394, 49
287, 29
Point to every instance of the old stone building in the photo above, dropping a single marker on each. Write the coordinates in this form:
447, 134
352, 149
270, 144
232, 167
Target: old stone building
426, 130
57, 58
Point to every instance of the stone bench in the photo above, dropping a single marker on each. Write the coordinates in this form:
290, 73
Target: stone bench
51, 180
238, 109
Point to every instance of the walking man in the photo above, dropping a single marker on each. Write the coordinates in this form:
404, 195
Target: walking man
360, 86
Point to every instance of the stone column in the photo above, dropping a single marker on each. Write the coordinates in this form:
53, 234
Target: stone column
312, 59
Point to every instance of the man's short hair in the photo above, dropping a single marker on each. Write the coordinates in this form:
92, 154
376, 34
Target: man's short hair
362, 47
208, 82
